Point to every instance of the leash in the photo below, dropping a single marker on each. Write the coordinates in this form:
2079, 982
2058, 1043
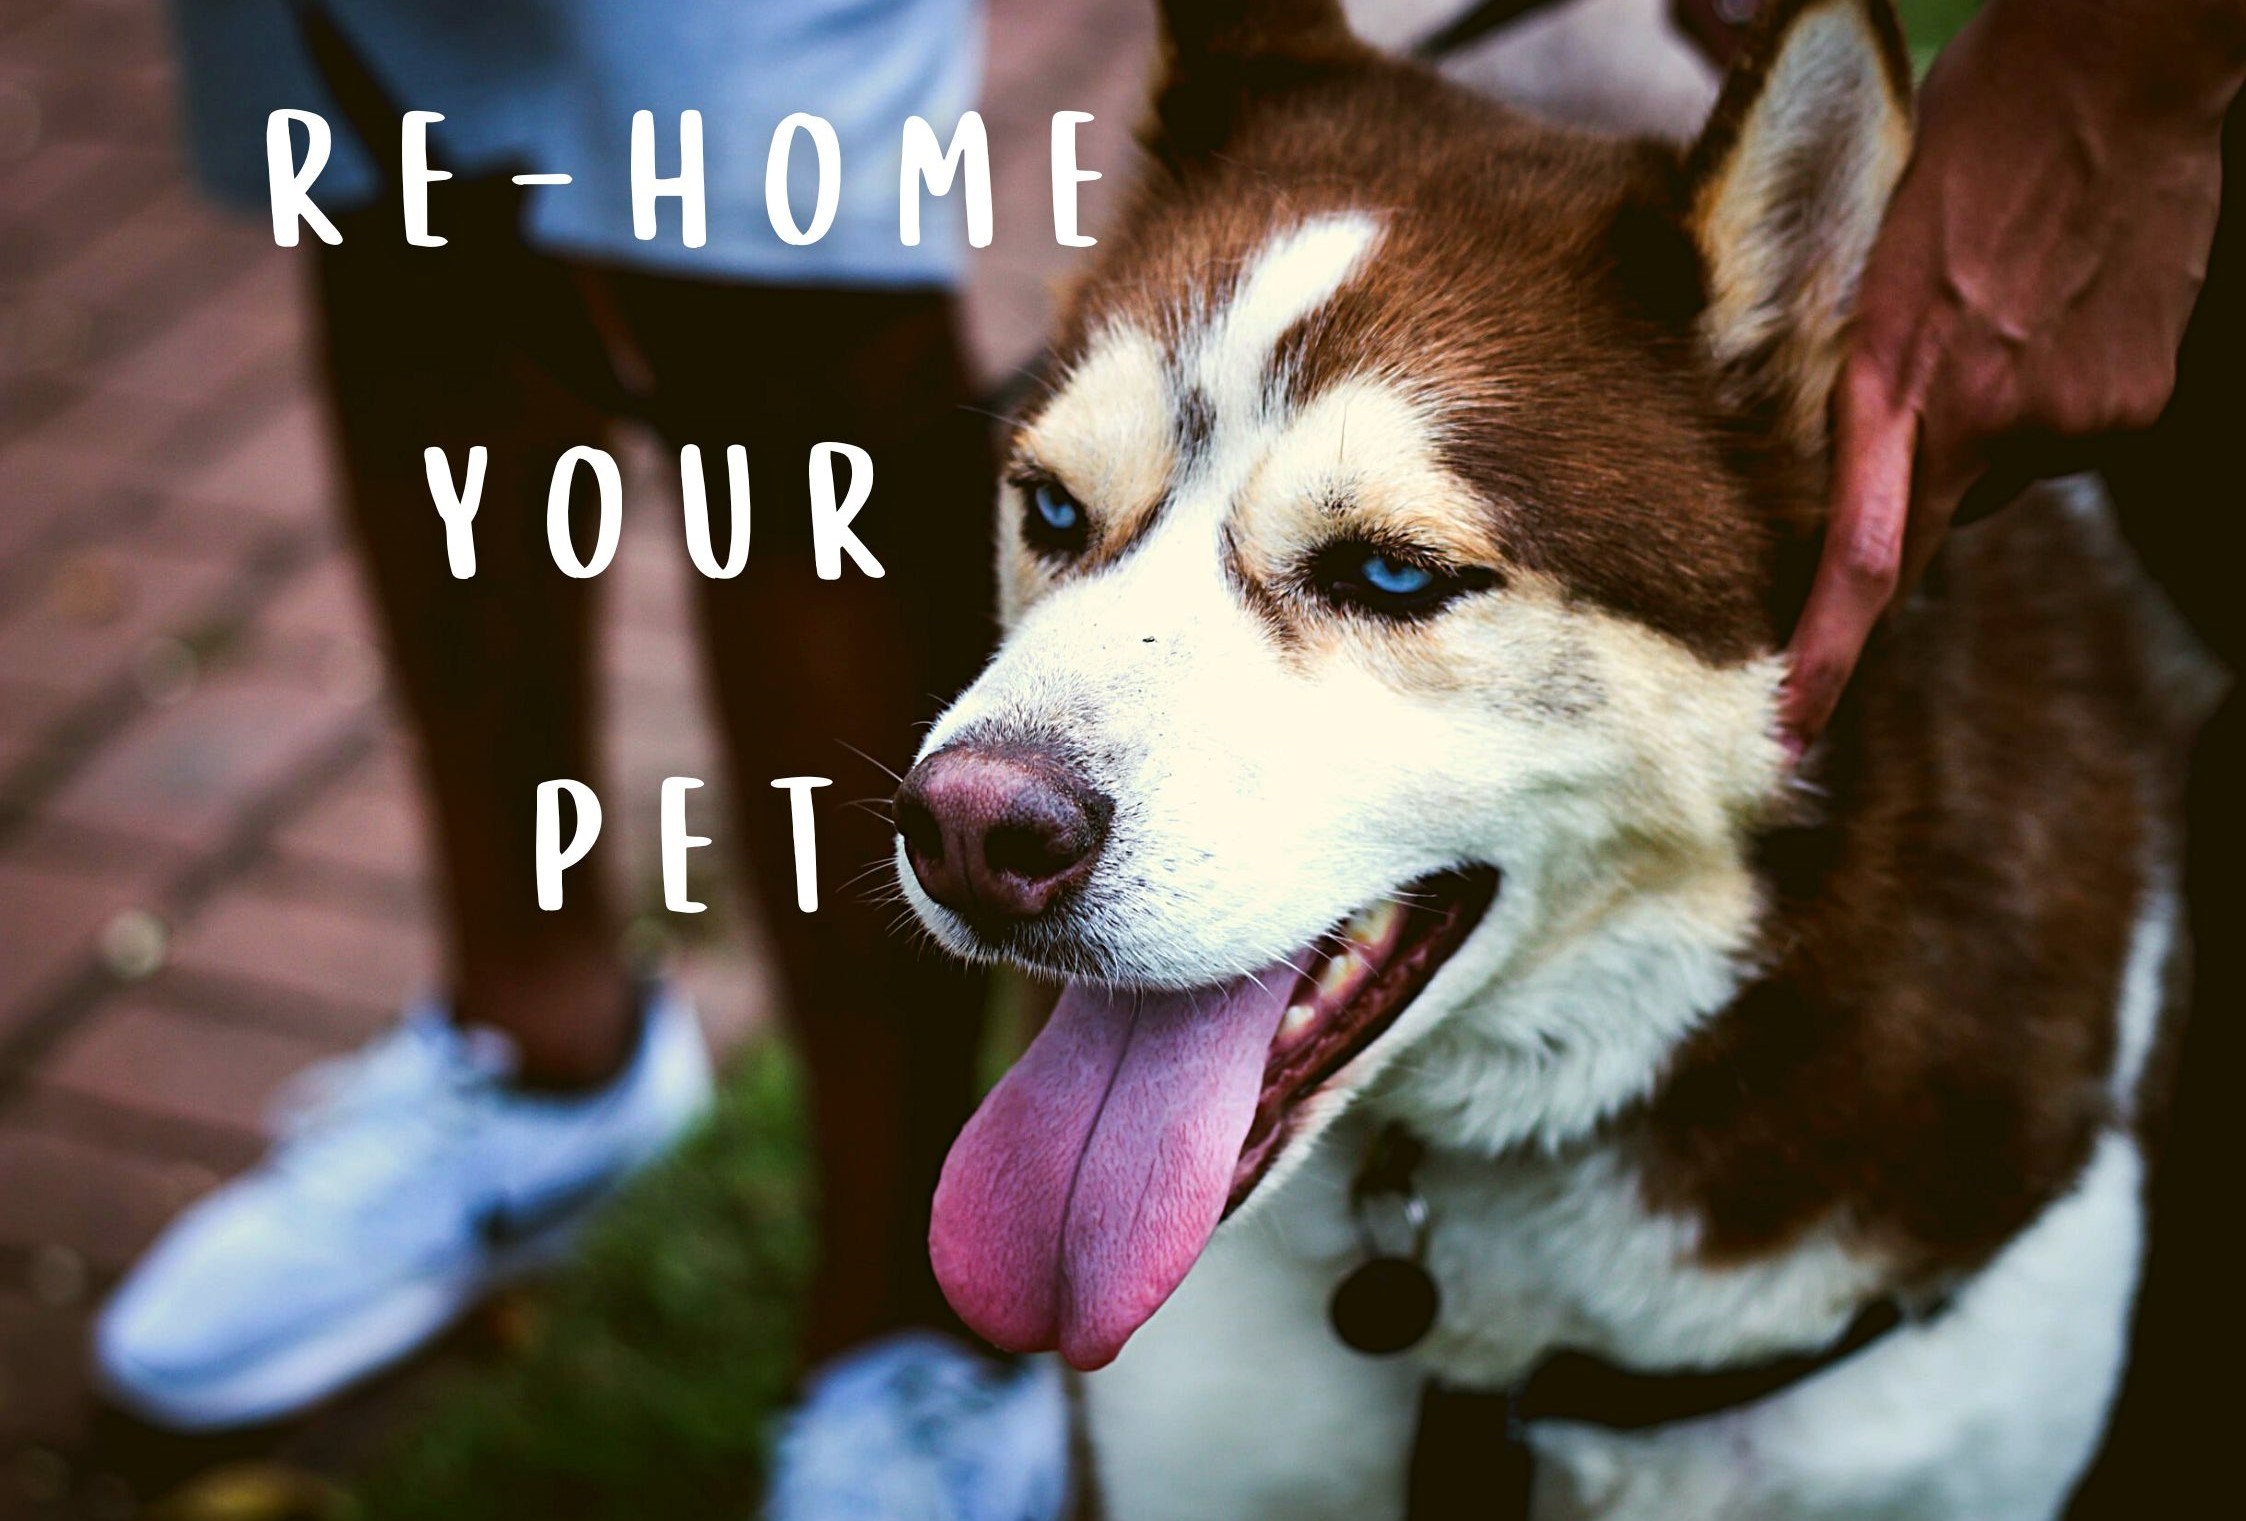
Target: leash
1471, 26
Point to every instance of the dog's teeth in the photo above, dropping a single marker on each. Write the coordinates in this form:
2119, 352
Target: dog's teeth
1339, 973
1298, 1018
1371, 926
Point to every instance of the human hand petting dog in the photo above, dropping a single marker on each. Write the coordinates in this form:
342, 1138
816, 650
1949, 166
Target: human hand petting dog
2028, 291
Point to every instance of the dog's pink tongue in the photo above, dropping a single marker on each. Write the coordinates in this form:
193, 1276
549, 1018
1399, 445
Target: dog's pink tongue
1082, 1190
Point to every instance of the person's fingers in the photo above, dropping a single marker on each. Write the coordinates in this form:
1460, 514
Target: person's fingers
1874, 434
1943, 479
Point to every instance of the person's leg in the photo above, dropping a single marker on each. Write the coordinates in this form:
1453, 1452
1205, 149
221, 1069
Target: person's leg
417, 1171
421, 348
813, 676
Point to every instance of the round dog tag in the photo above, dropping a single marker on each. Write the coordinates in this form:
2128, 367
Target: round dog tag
1384, 1306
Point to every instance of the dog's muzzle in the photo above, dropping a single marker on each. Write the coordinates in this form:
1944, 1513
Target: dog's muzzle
999, 833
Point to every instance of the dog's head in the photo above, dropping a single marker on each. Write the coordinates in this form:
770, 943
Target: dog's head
1392, 576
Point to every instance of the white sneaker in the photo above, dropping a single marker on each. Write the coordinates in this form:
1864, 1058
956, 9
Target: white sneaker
407, 1180
916, 1427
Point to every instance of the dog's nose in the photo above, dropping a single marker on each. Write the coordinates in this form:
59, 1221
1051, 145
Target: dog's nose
999, 833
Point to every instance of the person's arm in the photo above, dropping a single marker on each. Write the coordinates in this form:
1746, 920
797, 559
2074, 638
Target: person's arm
2030, 286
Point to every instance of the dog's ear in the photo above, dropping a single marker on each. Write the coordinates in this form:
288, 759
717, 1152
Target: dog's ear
1218, 54
1787, 188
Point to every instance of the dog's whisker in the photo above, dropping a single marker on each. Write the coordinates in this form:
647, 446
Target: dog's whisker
881, 766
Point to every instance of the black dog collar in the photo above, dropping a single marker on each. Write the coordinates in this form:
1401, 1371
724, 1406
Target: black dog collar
1472, 1458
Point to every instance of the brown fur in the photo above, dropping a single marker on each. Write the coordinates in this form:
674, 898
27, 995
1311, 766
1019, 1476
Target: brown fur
1926, 1057
1537, 282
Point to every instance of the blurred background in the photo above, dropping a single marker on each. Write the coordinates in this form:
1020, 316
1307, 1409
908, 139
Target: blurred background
211, 861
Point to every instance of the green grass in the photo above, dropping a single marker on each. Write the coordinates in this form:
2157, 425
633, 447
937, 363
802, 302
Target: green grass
1927, 24
654, 1363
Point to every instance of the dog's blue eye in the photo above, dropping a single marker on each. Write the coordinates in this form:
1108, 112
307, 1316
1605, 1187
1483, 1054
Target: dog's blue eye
1054, 521
1395, 578
1391, 582
1060, 514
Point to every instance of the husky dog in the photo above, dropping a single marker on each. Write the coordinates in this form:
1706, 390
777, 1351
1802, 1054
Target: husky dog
1383, 746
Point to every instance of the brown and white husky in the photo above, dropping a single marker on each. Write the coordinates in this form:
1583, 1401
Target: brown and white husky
1383, 745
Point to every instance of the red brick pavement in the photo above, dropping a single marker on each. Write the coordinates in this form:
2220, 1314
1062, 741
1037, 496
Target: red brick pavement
211, 863
211, 860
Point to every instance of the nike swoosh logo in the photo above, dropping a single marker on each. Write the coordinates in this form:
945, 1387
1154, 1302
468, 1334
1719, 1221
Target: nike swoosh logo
504, 1226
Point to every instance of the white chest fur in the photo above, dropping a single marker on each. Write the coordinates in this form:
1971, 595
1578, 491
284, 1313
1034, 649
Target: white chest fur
1237, 1402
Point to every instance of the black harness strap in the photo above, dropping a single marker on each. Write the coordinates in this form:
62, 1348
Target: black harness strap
1472, 1458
